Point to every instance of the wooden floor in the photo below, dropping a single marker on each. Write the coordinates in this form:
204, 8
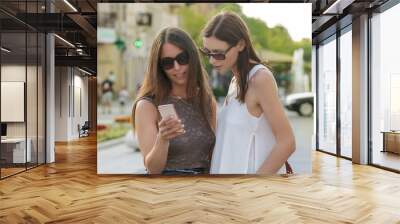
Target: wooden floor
70, 191
10, 171
388, 159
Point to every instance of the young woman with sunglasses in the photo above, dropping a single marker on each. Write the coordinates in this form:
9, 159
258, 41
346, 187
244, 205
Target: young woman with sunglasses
175, 76
253, 134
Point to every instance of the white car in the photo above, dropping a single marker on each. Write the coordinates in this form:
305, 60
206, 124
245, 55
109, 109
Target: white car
302, 103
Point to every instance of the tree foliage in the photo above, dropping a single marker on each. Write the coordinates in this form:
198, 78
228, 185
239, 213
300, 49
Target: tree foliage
277, 38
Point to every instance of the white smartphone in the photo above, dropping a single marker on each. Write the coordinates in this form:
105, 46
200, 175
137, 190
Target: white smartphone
167, 110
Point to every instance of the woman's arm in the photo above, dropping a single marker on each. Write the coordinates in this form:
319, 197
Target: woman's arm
153, 139
267, 96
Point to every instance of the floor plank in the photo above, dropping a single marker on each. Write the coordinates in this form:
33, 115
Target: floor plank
70, 191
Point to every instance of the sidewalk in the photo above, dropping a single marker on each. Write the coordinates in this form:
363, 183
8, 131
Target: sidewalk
116, 157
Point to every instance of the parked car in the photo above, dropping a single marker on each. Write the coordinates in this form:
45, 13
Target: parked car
302, 103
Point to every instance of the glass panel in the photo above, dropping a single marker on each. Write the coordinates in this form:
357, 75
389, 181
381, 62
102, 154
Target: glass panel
386, 89
22, 77
41, 99
31, 97
346, 94
327, 96
13, 87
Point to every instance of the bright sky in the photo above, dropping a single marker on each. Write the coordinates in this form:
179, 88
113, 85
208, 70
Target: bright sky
295, 17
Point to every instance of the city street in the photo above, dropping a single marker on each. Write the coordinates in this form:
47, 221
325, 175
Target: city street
117, 157
303, 131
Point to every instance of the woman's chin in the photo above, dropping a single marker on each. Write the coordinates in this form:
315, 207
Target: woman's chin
221, 71
180, 82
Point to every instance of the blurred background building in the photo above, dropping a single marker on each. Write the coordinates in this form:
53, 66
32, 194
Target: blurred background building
125, 34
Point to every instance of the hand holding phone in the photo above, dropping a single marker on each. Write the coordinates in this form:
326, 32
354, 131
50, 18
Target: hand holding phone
167, 110
170, 126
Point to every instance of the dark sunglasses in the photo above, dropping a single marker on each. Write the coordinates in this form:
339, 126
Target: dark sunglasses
168, 62
217, 56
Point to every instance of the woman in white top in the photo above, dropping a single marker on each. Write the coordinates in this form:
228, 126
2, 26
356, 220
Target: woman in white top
253, 134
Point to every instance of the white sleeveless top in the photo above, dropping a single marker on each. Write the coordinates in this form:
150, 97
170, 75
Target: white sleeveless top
243, 141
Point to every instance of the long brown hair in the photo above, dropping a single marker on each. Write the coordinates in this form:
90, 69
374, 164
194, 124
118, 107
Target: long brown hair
229, 27
156, 83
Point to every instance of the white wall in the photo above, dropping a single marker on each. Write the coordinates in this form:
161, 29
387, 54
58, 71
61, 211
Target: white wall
80, 93
12, 73
33, 125
69, 85
81, 82
12, 101
61, 103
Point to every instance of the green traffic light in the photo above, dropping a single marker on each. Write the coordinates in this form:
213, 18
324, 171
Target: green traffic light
138, 43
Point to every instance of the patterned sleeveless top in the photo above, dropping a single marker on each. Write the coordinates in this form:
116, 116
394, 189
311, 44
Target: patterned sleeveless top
194, 148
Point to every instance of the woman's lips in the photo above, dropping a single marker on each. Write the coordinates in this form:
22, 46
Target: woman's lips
180, 76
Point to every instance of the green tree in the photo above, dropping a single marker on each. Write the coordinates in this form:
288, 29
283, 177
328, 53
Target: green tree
259, 32
279, 40
192, 21
232, 7
263, 37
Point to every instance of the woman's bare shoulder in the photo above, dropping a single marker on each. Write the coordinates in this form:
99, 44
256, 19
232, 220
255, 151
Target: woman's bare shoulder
146, 107
263, 78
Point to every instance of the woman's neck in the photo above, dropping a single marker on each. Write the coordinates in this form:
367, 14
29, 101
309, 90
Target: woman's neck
179, 91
